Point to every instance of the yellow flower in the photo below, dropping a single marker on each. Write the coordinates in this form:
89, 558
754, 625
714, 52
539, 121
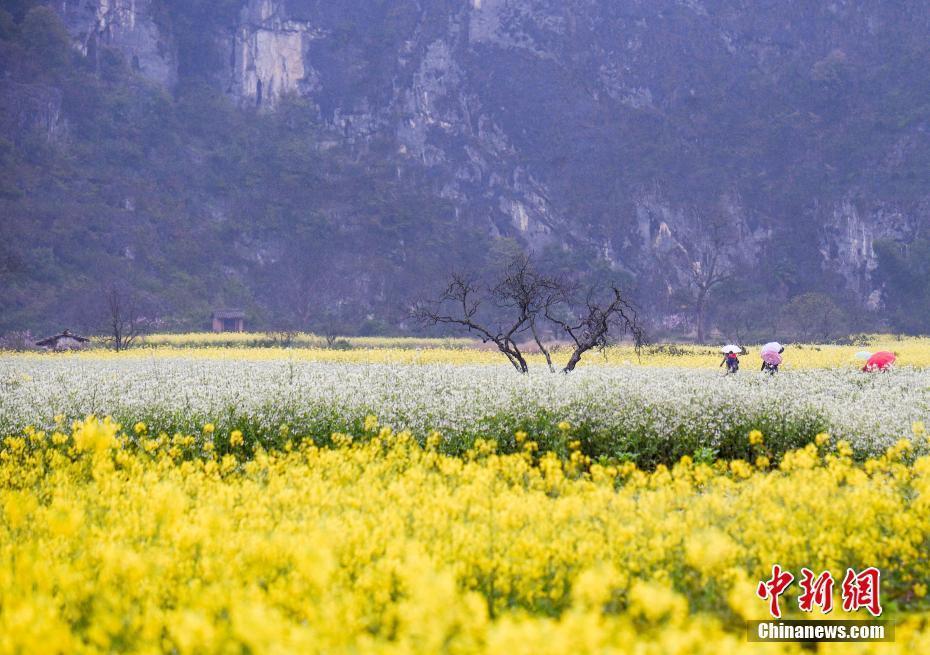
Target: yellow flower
822, 439
15, 444
710, 551
139, 427
95, 435
235, 438
755, 438
371, 423
433, 440
656, 602
376, 545
209, 428
740, 468
64, 518
564, 426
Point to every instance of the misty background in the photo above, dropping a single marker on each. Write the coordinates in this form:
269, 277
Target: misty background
749, 166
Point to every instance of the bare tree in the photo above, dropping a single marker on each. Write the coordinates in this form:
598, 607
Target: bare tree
705, 275
459, 305
283, 337
597, 323
528, 295
124, 322
708, 267
518, 299
526, 299
332, 326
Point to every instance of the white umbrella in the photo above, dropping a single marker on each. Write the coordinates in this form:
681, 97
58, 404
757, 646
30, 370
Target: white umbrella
772, 347
731, 348
863, 355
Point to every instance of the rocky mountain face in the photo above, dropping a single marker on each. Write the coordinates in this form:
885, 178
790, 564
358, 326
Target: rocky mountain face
129, 26
643, 135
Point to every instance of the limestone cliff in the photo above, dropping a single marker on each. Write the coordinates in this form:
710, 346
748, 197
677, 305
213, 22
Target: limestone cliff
130, 27
270, 55
614, 128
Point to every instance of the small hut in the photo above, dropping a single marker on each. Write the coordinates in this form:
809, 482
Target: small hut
228, 320
64, 341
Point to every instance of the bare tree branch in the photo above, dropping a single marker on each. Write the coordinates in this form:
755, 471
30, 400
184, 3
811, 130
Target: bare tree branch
593, 329
459, 305
527, 297
123, 319
542, 347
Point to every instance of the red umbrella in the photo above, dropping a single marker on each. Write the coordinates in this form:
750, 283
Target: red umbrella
880, 361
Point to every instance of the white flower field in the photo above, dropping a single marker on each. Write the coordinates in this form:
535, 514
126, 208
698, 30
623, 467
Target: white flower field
651, 415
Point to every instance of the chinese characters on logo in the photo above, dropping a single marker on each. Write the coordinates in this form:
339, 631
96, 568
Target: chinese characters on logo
862, 591
859, 590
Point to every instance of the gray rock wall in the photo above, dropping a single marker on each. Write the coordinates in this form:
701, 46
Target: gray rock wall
620, 127
130, 27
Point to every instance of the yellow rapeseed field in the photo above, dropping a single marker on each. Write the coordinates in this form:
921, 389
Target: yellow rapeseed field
911, 351
299, 339
116, 540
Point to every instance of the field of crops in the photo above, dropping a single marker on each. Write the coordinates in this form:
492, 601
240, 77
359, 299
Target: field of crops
914, 352
646, 414
266, 500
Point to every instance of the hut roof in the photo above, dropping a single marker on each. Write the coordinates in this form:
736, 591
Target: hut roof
228, 313
51, 341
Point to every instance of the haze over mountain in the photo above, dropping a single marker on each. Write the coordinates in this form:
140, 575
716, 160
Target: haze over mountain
315, 161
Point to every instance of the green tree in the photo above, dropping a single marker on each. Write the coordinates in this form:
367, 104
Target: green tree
45, 37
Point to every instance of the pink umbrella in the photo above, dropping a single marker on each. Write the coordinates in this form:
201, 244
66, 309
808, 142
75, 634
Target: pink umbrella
771, 357
880, 361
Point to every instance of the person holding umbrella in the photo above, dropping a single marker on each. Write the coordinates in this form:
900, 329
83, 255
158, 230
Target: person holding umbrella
771, 357
880, 362
731, 358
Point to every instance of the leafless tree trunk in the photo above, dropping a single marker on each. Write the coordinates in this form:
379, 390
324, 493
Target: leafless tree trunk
123, 320
709, 268
462, 295
522, 294
284, 338
527, 298
593, 328
541, 345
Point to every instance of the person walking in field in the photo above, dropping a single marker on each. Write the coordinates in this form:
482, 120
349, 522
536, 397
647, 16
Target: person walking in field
731, 358
771, 357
